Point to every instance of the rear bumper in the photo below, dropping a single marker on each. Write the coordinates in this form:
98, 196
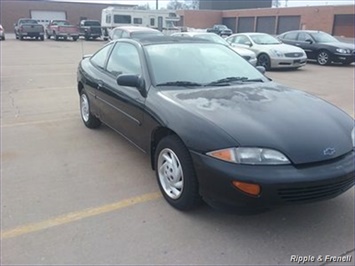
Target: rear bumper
280, 185
64, 34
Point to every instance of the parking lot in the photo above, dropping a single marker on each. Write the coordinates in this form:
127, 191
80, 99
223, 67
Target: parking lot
70, 195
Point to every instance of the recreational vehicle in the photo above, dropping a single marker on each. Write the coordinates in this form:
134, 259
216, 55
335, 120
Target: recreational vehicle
163, 20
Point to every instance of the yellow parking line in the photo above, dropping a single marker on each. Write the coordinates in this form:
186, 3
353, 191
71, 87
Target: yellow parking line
75, 216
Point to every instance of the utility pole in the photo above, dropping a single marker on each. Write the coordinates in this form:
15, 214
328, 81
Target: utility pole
156, 4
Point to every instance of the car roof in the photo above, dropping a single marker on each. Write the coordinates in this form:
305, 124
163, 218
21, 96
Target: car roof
135, 28
165, 40
308, 31
194, 33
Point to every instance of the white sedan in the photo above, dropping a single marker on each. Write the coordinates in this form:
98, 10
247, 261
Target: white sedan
270, 52
245, 53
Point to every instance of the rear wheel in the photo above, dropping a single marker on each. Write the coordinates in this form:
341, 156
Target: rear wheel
323, 58
264, 60
175, 174
89, 120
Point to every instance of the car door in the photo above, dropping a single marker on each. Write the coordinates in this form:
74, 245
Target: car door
92, 78
122, 107
306, 42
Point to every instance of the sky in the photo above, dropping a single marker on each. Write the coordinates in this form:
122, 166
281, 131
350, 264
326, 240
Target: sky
163, 3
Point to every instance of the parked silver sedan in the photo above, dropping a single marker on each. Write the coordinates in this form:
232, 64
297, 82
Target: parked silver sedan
243, 52
270, 52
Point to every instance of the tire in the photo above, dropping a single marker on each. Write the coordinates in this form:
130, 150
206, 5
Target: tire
87, 38
75, 39
323, 58
89, 120
48, 35
42, 38
176, 178
264, 60
55, 36
21, 37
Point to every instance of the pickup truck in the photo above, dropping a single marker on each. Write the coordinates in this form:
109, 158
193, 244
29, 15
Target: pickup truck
221, 30
90, 29
26, 27
62, 29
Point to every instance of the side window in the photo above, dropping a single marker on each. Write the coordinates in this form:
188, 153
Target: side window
125, 34
303, 37
117, 34
99, 58
124, 59
152, 22
292, 36
137, 21
241, 40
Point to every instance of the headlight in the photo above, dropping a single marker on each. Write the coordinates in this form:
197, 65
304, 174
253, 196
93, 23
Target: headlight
255, 156
353, 137
343, 51
277, 53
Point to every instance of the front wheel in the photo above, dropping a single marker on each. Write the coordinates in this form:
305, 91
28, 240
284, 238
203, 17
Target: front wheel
323, 58
175, 174
89, 120
264, 60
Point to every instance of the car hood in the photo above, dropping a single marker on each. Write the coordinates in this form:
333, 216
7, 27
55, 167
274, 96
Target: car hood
342, 45
284, 48
303, 127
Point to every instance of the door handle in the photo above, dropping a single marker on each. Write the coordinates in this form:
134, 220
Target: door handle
297, 44
100, 85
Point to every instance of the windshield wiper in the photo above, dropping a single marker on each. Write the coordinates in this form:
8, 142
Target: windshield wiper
180, 84
225, 81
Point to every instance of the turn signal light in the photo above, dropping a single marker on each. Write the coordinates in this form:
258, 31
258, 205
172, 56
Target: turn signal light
252, 189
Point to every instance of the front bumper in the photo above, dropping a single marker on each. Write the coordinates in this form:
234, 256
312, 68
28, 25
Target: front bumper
285, 62
343, 58
32, 34
280, 185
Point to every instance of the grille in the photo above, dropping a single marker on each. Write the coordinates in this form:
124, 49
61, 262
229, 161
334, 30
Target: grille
316, 192
294, 55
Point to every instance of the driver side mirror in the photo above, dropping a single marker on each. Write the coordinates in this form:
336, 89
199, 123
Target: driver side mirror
261, 69
249, 44
134, 81
309, 41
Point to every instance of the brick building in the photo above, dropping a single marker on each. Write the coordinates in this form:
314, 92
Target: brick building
336, 20
233, 4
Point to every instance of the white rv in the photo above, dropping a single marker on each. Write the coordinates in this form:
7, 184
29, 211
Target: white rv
163, 20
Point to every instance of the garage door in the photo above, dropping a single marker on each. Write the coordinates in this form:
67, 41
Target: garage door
246, 24
43, 17
344, 25
230, 23
266, 24
287, 23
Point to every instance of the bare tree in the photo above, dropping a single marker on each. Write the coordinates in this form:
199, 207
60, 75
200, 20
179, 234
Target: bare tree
276, 3
183, 4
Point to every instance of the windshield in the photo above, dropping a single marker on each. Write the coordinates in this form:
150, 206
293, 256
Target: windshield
322, 37
92, 23
143, 34
197, 63
213, 38
62, 23
29, 21
264, 39
221, 27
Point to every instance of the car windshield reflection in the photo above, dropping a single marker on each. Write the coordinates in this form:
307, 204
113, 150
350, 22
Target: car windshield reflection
197, 63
